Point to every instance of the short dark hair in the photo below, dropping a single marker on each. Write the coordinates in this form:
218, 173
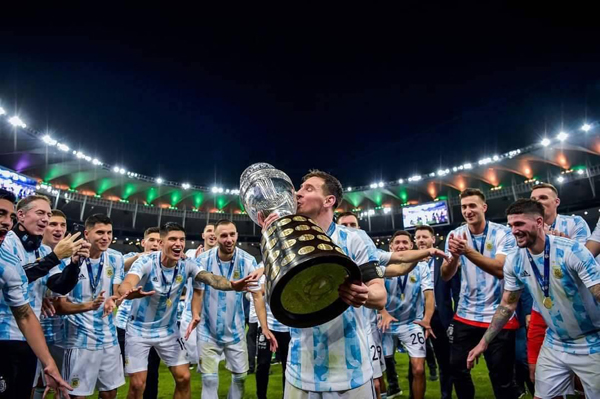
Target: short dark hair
525, 205
170, 226
545, 185
7, 195
25, 203
208, 224
469, 192
59, 213
402, 233
332, 185
344, 214
425, 227
223, 222
97, 218
151, 230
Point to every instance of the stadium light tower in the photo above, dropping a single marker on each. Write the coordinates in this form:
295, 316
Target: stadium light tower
562, 136
545, 142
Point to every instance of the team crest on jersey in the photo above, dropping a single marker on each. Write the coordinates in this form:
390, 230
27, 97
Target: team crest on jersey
413, 278
110, 271
557, 273
489, 246
179, 278
236, 274
75, 382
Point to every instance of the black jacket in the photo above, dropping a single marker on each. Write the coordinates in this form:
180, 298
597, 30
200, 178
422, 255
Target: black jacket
446, 293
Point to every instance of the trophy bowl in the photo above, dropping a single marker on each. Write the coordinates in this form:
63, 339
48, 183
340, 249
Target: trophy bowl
303, 267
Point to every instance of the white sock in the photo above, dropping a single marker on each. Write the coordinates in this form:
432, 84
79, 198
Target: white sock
236, 390
210, 386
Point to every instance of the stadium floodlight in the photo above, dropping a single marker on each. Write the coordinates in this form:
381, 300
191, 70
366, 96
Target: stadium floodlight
586, 128
116, 169
562, 136
49, 140
467, 166
381, 184
214, 189
387, 210
545, 142
400, 181
485, 161
415, 178
17, 122
373, 185
185, 186
95, 161
349, 189
2, 111
560, 179
371, 212
455, 169
122, 171
220, 190
159, 180
495, 158
580, 172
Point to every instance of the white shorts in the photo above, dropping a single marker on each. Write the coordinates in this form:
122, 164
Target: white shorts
211, 353
170, 349
412, 337
387, 342
57, 354
365, 391
376, 350
555, 370
191, 345
86, 370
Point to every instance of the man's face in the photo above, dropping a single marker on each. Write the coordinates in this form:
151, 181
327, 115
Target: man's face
401, 243
7, 210
227, 238
151, 242
209, 237
172, 244
36, 218
547, 198
525, 228
55, 231
424, 239
99, 236
311, 197
349, 221
473, 209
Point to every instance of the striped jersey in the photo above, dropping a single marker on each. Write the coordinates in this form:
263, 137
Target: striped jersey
574, 317
335, 356
409, 307
89, 330
222, 319
186, 316
155, 316
124, 310
272, 322
574, 227
480, 292
13, 257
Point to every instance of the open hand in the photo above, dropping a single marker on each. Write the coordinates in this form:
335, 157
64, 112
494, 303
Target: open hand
195, 321
55, 382
96, 303
386, 320
427, 327
68, 246
109, 305
136, 293
475, 353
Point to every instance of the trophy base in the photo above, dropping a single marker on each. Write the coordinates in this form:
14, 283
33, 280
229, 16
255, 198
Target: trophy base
307, 295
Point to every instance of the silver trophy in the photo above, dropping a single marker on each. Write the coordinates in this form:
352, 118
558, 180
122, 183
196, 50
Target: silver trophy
303, 267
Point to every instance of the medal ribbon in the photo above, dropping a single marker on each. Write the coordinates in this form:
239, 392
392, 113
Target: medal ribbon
543, 281
485, 233
164, 278
94, 281
231, 268
402, 280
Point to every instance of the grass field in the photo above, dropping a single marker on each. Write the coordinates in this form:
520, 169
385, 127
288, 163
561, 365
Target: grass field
166, 385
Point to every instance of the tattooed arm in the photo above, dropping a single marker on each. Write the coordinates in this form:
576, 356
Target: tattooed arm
217, 282
504, 312
30, 327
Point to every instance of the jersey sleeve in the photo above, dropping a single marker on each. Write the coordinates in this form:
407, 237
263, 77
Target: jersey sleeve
196, 267
505, 242
511, 280
596, 234
12, 283
583, 263
141, 267
250, 267
384, 257
119, 269
426, 280
582, 231
363, 249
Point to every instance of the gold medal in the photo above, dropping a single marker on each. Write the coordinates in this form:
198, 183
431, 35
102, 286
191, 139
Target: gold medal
547, 302
169, 302
402, 296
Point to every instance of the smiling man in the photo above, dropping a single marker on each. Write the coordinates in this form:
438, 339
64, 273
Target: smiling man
7, 212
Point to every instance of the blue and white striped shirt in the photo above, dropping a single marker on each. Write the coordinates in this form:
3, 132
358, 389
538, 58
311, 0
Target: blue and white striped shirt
335, 356
89, 330
155, 316
480, 292
574, 227
574, 318
222, 319
123, 313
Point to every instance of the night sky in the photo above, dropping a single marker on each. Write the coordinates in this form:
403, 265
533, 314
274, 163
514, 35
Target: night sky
197, 95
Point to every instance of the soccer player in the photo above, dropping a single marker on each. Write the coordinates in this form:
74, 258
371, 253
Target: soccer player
445, 294
150, 243
479, 248
564, 280
332, 360
403, 314
191, 344
161, 276
348, 219
15, 369
92, 355
221, 328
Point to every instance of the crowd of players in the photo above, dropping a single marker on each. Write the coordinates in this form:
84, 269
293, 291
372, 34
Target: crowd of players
526, 296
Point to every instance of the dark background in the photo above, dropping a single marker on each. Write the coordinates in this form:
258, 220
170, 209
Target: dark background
196, 94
